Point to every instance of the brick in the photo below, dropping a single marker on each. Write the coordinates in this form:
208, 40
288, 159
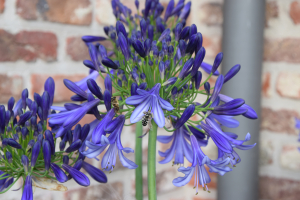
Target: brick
77, 49
211, 14
271, 11
2, 2
282, 50
77, 12
266, 152
282, 121
104, 13
10, 86
290, 157
212, 46
295, 12
266, 85
28, 46
61, 92
104, 191
201, 198
278, 188
288, 85
27, 9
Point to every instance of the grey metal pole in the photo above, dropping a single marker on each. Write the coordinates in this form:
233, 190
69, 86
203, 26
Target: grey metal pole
243, 44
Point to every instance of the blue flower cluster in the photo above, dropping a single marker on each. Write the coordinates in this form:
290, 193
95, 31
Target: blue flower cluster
154, 69
28, 146
154, 75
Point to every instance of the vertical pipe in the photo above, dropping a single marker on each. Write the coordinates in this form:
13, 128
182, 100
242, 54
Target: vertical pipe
243, 44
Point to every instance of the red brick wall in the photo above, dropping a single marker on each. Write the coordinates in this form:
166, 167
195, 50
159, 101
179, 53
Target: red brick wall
41, 38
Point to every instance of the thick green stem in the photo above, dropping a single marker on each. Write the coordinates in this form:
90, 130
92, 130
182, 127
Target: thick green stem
139, 162
152, 162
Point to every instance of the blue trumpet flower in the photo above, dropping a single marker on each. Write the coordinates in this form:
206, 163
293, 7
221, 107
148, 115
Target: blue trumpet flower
149, 101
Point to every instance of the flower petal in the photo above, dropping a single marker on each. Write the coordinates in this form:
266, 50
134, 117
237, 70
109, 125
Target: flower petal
138, 112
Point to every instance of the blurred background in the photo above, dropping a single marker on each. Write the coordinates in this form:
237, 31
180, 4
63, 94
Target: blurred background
42, 38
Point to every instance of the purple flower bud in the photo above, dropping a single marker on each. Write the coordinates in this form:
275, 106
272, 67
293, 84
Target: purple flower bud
150, 32
2, 119
78, 164
233, 104
40, 138
50, 88
162, 69
40, 128
84, 132
16, 137
234, 112
198, 60
106, 30
218, 87
25, 163
90, 38
186, 11
66, 159
11, 142
102, 51
47, 154
193, 30
24, 117
184, 34
74, 146
170, 51
30, 144
45, 104
232, 72
34, 108
94, 88
207, 87
27, 191
24, 97
178, 7
89, 64
28, 102
191, 46
95, 173
174, 92
143, 25
134, 87
143, 76
182, 47
76, 132
121, 28
24, 132
147, 8
124, 46
187, 113
170, 81
35, 153
139, 48
135, 76
143, 86
78, 176
59, 173
107, 62
49, 137
10, 103
27, 124
62, 145
169, 10
217, 62
186, 67
137, 3
8, 157
108, 83
107, 100
164, 34
198, 78
7, 117
75, 88
177, 31
38, 99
